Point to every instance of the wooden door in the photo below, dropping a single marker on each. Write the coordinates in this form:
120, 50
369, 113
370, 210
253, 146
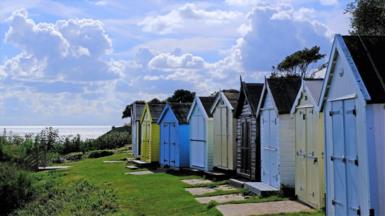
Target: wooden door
224, 144
312, 163
300, 156
173, 144
165, 136
344, 158
274, 154
246, 146
269, 148
197, 141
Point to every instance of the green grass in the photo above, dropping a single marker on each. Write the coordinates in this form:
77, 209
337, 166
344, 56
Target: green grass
156, 194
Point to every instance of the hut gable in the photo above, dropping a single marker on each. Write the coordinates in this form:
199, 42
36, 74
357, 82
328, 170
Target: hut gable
229, 97
311, 90
179, 110
284, 91
250, 92
156, 110
204, 104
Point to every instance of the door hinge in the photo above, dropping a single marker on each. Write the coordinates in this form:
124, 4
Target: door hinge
304, 117
371, 212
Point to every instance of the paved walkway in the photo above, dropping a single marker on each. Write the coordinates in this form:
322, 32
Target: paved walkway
221, 198
194, 182
263, 208
140, 173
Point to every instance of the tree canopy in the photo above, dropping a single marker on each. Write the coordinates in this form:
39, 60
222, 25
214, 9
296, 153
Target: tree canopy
182, 95
368, 17
297, 63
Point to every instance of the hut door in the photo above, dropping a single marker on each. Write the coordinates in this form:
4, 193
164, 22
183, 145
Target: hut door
172, 141
300, 156
245, 147
166, 143
312, 162
224, 138
198, 141
146, 141
269, 153
344, 158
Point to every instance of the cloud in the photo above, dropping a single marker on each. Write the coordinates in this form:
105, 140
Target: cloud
177, 18
73, 49
271, 33
329, 2
169, 61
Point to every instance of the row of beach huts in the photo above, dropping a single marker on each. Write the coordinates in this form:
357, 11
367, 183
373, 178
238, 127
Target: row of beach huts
323, 137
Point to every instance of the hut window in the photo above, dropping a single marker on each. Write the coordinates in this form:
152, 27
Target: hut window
305, 97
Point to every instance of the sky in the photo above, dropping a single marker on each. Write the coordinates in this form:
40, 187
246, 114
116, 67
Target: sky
81, 62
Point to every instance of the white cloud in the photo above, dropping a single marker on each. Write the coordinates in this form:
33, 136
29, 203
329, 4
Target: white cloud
73, 49
271, 33
329, 2
176, 19
169, 61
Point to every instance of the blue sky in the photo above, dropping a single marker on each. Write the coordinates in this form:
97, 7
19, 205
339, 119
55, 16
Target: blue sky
80, 62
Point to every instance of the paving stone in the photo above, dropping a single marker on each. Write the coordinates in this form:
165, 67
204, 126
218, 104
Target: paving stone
140, 173
220, 199
200, 190
113, 161
196, 181
225, 187
132, 167
279, 207
54, 167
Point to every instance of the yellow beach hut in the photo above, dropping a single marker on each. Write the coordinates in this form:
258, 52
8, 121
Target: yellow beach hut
150, 136
309, 144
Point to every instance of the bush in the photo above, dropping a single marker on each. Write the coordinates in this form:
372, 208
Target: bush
99, 153
81, 198
15, 187
74, 156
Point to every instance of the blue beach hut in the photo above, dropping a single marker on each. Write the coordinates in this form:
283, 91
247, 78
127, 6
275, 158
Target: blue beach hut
174, 135
353, 101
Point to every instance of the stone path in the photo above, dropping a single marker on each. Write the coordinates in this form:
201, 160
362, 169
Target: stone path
263, 208
114, 161
140, 173
220, 199
132, 167
194, 182
54, 167
204, 190
200, 190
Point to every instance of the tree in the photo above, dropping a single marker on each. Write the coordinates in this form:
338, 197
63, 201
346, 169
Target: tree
126, 112
298, 62
182, 95
368, 17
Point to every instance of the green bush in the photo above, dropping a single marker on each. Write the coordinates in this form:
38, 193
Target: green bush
15, 187
74, 156
99, 153
81, 198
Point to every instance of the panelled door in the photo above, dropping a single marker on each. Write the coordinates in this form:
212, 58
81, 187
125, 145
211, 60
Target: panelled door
307, 164
166, 143
169, 145
269, 148
224, 161
172, 141
344, 158
197, 141
300, 156
146, 133
245, 146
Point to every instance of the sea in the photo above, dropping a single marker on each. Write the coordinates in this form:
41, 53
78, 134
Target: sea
85, 132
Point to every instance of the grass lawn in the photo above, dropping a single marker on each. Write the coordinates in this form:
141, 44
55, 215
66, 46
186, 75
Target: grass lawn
155, 194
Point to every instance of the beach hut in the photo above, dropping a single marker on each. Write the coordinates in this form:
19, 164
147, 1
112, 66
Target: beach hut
201, 133
224, 129
247, 139
174, 135
309, 144
136, 110
150, 132
353, 102
277, 131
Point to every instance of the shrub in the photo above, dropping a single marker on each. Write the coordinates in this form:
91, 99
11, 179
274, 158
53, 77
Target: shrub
81, 198
74, 156
15, 187
99, 153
